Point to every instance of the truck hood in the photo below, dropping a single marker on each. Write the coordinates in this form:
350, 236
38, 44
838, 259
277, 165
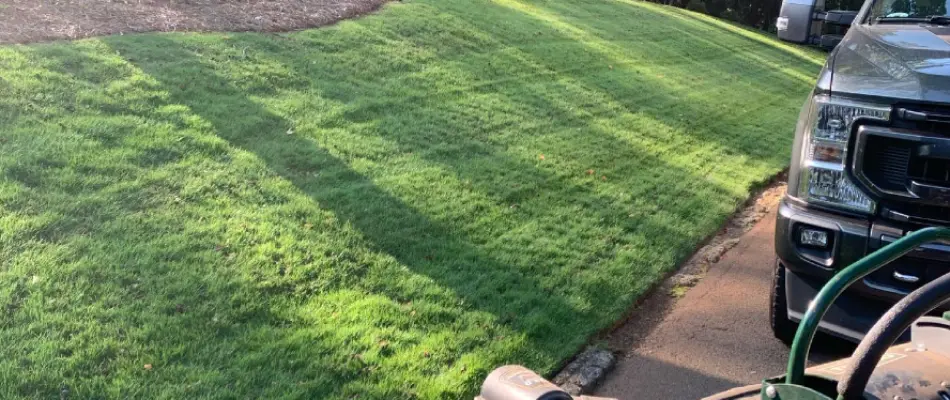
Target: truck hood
897, 61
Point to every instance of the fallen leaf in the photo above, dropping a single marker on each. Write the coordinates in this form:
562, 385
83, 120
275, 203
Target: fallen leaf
541, 157
425, 354
148, 367
590, 172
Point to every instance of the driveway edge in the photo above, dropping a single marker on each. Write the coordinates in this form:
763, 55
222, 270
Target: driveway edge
587, 369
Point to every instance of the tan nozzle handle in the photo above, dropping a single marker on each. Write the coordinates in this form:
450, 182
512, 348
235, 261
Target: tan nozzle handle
514, 382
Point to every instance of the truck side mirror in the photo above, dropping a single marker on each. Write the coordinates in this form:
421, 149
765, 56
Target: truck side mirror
807, 22
795, 20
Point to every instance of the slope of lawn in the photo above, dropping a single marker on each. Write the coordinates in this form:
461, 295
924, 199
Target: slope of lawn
386, 208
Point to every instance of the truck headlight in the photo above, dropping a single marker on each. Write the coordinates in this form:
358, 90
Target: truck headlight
827, 124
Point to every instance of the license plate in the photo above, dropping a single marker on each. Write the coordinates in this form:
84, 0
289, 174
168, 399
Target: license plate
781, 23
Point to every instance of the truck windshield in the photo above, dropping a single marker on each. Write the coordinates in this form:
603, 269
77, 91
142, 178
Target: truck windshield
910, 11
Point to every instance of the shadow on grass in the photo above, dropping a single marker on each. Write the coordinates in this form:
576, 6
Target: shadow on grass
506, 289
449, 128
443, 254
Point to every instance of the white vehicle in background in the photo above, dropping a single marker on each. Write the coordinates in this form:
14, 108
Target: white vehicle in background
807, 22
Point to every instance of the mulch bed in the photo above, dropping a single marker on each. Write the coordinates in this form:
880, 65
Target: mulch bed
23, 21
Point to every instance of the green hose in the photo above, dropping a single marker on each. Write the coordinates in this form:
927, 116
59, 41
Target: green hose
854, 272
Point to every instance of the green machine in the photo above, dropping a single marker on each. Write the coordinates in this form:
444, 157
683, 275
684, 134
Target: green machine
878, 369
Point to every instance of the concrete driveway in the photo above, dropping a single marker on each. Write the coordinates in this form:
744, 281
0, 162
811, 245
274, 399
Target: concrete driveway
714, 338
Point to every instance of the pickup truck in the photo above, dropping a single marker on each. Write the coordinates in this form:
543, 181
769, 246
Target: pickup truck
870, 164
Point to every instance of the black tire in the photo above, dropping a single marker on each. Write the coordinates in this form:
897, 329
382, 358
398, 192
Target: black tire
783, 328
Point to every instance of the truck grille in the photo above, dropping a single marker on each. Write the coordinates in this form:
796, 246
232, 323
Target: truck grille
929, 170
891, 162
922, 213
907, 165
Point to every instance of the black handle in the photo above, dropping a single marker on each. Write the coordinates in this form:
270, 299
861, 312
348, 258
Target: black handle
886, 331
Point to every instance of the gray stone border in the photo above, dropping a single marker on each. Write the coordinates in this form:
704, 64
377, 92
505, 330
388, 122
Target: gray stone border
585, 371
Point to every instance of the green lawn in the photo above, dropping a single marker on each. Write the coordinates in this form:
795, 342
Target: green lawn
389, 207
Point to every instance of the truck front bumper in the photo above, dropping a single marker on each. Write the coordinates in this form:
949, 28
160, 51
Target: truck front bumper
850, 317
808, 269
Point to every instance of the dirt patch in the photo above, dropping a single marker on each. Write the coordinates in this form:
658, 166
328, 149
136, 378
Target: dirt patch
655, 306
23, 21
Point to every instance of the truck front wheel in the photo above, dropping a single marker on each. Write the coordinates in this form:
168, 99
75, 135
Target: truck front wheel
782, 327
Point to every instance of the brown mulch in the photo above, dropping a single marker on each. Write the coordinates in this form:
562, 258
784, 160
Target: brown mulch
23, 21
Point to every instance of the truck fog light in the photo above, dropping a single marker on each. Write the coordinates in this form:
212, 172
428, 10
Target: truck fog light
813, 237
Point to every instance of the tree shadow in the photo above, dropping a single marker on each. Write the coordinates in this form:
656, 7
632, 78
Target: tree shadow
457, 138
476, 282
502, 288
555, 325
